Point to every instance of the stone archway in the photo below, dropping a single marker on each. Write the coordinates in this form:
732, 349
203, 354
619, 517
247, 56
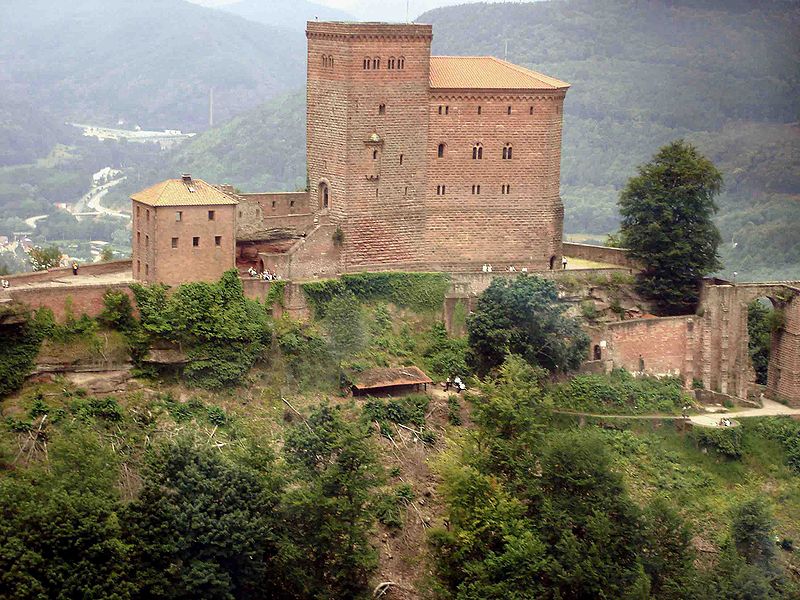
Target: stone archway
721, 357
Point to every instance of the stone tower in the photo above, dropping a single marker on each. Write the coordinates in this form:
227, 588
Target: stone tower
367, 134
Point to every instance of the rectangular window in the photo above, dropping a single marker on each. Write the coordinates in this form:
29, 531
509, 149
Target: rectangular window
138, 211
196, 242
447, 110
174, 242
479, 110
211, 215
147, 217
146, 269
138, 267
531, 110
146, 241
509, 110
138, 238
382, 109
178, 215
218, 240
440, 109
274, 204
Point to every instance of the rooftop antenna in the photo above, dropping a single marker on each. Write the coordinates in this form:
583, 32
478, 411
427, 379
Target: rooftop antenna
211, 108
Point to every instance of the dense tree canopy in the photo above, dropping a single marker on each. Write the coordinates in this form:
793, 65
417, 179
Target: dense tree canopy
524, 317
667, 212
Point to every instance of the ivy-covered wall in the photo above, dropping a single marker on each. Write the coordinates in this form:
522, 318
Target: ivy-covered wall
416, 291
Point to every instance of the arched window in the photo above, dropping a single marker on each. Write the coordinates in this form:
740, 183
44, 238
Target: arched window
507, 152
440, 151
366, 64
376, 63
330, 62
477, 152
401, 63
324, 196
324, 60
391, 62
381, 109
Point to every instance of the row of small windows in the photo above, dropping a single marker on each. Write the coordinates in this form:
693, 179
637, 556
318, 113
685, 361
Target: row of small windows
195, 241
178, 214
444, 109
374, 63
505, 189
327, 61
477, 151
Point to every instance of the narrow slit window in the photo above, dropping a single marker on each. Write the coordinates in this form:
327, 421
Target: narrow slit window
440, 151
401, 159
509, 110
479, 110
531, 110
374, 155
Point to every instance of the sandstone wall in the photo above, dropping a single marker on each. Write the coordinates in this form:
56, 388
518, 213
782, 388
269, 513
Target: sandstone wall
84, 299
605, 254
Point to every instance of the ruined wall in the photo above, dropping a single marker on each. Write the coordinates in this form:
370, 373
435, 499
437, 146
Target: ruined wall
80, 299
660, 346
474, 218
104, 268
271, 216
604, 254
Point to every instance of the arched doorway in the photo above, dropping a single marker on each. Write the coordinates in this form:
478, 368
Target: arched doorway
762, 322
324, 196
552, 262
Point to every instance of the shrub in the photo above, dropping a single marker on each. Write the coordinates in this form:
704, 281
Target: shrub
117, 311
217, 416
726, 441
620, 392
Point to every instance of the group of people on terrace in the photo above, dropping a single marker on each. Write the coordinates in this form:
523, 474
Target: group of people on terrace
266, 274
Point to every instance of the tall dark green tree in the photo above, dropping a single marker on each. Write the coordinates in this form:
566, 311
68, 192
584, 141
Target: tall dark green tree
202, 527
328, 507
524, 317
667, 212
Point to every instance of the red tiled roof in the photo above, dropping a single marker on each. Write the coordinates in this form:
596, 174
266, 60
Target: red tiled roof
177, 192
487, 72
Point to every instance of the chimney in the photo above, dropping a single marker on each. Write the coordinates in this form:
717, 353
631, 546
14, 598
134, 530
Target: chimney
187, 179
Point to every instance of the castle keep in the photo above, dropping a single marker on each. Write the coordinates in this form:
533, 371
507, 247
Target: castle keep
414, 162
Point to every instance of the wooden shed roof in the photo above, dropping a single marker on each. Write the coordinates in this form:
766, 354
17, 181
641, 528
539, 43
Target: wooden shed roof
389, 377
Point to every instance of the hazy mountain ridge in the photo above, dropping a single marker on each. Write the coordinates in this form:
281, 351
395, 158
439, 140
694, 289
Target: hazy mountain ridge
150, 63
292, 14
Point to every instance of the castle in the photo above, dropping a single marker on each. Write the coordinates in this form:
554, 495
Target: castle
415, 162
422, 163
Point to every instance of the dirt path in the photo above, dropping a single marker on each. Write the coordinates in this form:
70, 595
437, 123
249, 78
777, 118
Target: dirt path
769, 409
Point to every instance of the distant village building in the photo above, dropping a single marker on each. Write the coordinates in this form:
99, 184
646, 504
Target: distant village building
183, 230
414, 162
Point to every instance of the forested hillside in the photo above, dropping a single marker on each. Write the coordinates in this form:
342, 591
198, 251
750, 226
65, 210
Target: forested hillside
724, 75
150, 63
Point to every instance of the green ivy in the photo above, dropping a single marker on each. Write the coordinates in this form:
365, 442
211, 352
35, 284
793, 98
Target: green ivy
18, 350
275, 294
417, 291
